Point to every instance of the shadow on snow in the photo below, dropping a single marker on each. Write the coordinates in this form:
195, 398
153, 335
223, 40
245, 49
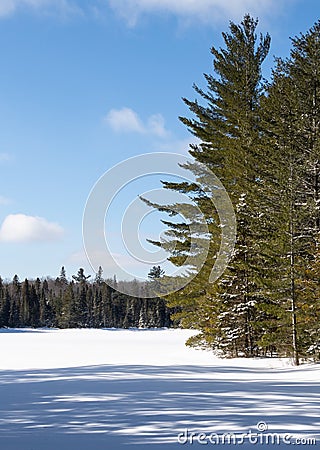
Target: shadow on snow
110, 406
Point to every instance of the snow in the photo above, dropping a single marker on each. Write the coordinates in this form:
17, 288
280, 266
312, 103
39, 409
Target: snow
116, 389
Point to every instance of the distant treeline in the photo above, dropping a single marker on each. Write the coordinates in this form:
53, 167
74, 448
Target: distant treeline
78, 304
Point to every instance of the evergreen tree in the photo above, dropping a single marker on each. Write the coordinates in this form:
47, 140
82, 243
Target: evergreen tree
155, 273
34, 307
67, 317
304, 71
99, 278
46, 307
229, 131
4, 305
81, 310
81, 277
291, 177
25, 313
62, 278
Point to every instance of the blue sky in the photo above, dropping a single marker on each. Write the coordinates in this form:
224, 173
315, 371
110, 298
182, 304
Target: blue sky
85, 85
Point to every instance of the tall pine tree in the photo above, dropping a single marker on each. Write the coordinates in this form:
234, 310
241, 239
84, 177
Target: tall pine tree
228, 128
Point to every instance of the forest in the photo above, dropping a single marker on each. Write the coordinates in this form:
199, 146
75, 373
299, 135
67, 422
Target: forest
79, 303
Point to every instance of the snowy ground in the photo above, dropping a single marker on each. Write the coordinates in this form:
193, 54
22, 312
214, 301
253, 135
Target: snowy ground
117, 389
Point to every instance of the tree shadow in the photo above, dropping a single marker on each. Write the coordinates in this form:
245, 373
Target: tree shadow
113, 406
22, 330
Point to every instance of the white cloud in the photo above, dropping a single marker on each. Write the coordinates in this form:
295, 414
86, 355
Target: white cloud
127, 120
124, 119
23, 228
156, 126
192, 10
7, 7
210, 11
65, 7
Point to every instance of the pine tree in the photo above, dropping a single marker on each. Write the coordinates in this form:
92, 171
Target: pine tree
291, 178
99, 278
62, 278
67, 315
81, 307
156, 272
46, 307
228, 128
34, 306
304, 71
308, 320
4, 305
25, 318
81, 277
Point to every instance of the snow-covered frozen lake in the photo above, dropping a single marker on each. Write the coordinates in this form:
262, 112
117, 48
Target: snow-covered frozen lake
117, 389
